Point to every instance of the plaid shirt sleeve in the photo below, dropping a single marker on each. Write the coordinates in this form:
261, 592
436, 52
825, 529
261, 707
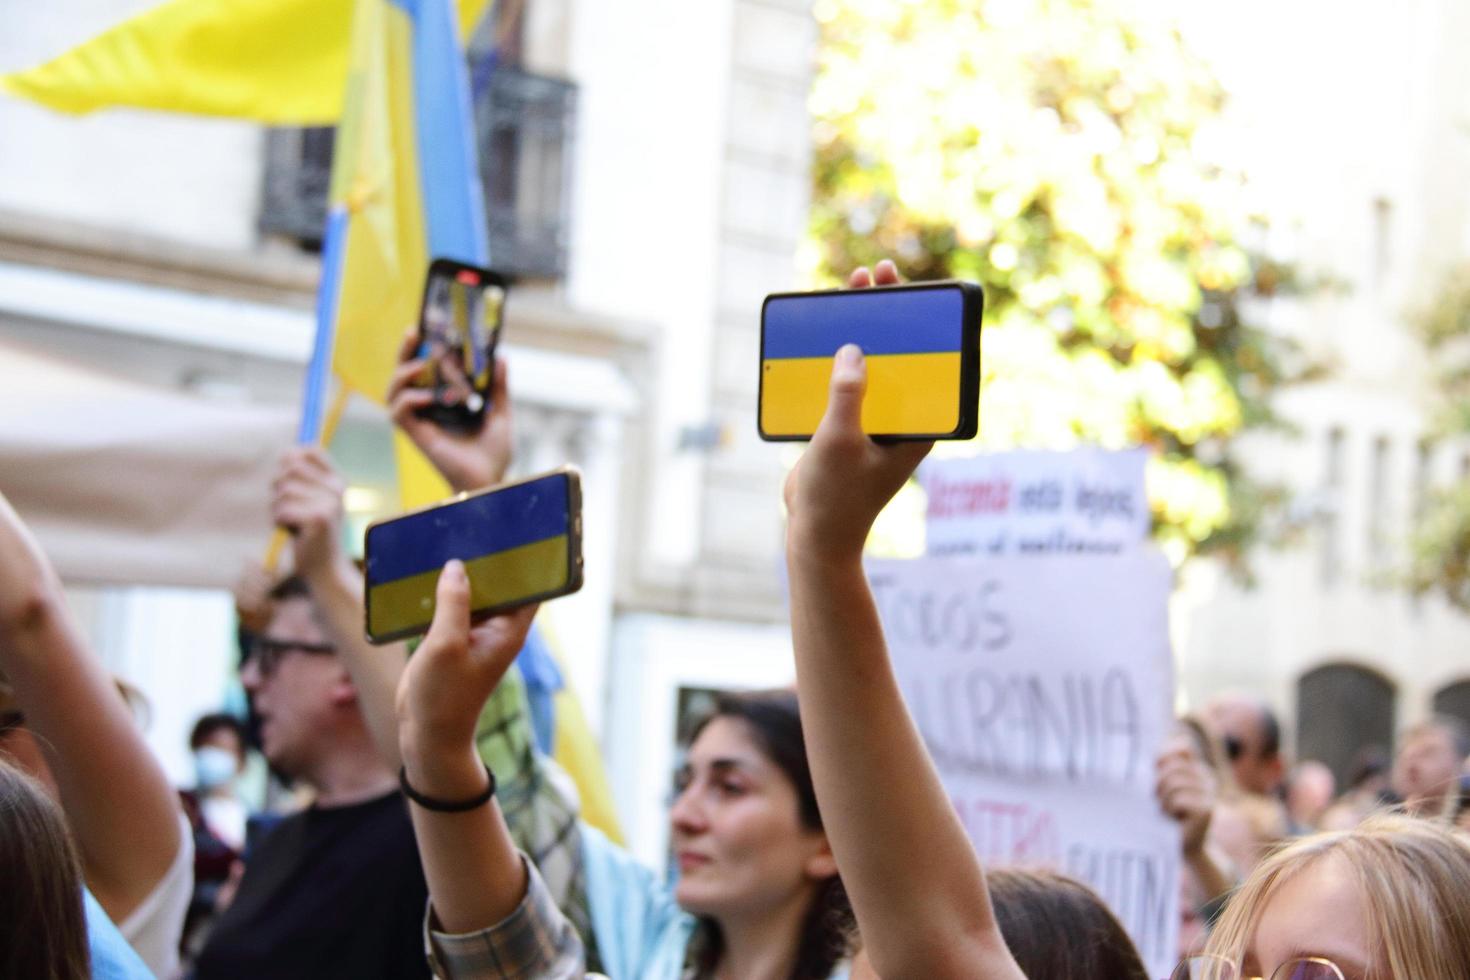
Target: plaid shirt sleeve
542, 817
534, 941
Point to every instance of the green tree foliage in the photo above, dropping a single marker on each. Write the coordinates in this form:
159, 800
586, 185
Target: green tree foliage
1056, 151
1440, 547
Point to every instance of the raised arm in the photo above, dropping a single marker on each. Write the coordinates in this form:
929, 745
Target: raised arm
475, 875
1186, 791
916, 885
117, 800
307, 500
480, 887
543, 820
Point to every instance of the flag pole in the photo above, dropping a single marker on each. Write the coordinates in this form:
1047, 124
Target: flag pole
319, 423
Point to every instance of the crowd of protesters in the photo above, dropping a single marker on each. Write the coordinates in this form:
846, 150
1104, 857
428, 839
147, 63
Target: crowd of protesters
811, 842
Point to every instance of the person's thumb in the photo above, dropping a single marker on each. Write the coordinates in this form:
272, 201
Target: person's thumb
451, 625
845, 397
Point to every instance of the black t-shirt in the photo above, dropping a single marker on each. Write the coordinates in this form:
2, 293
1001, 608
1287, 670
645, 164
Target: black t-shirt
327, 893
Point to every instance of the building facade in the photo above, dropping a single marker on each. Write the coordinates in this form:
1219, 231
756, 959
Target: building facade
647, 204
1352, 123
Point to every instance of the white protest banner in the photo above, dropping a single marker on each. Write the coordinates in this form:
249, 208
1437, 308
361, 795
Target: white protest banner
1043, 687
1088, 501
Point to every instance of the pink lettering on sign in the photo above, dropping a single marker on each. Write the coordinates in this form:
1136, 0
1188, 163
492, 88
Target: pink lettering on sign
968, 497
1011, 833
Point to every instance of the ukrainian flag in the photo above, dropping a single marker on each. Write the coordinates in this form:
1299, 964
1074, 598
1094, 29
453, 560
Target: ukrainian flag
405, 182
515, 543
913, 343
405, 187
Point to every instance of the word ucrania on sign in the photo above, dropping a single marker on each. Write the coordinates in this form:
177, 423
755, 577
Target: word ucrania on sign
1043, 688
1084, 501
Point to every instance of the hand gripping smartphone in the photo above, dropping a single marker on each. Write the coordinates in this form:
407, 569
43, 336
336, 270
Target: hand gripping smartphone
520, 543
459, 329
921, 343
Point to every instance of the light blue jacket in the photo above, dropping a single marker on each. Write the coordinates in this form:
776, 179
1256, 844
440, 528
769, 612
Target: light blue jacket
641, 932
112, 957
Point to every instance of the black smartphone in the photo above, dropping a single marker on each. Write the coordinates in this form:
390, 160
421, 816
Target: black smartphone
459, 329
922, 346
520, 543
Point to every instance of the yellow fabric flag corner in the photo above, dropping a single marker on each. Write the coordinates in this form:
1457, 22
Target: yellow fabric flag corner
282, 62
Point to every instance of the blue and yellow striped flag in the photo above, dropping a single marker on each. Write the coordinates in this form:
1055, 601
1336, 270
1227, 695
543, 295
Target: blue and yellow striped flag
405, 187
913, 342
515, 544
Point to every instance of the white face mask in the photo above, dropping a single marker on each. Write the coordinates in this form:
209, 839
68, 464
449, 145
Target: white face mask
213, 767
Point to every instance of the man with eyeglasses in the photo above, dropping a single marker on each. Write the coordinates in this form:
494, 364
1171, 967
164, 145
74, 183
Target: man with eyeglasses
336, 890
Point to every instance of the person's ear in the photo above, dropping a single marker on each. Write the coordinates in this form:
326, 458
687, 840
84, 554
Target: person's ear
821, 865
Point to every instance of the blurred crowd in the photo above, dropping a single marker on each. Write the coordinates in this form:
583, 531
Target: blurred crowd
408, 823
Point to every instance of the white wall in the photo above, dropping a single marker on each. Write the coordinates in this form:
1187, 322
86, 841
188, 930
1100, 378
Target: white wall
653, 77
177, 646
1351, 120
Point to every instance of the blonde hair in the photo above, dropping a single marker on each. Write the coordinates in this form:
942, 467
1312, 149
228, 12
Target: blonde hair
1414, 875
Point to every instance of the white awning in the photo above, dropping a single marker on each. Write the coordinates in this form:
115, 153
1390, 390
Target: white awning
130, 483
123, 483
538, 376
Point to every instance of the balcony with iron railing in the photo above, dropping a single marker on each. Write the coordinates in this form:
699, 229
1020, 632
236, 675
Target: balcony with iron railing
524, 123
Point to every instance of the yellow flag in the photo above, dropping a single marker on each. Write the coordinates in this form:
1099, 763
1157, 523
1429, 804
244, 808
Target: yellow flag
577, 752
404, 188
282, 62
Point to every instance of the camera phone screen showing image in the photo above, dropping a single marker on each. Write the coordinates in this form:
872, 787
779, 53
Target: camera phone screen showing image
461, 316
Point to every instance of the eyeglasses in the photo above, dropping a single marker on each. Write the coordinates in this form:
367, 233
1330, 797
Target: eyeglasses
266, 653
1219, 968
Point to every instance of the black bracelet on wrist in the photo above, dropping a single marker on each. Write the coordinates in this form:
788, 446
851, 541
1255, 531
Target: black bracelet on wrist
446, 806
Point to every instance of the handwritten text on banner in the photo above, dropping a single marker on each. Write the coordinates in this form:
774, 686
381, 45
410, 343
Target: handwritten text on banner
1043, 687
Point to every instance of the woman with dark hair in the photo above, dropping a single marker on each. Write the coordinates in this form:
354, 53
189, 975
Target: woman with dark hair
43, 932
737, 743
757, 895
1035, 908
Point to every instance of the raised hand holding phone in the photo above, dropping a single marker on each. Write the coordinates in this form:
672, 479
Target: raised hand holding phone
842, 482
449, 393
447, 681
922, 910
468, 459
837, 489
475, 875
922, 342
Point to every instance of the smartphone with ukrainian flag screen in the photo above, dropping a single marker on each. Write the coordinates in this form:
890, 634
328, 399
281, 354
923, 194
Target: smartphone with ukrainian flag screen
520, 543
921, 342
